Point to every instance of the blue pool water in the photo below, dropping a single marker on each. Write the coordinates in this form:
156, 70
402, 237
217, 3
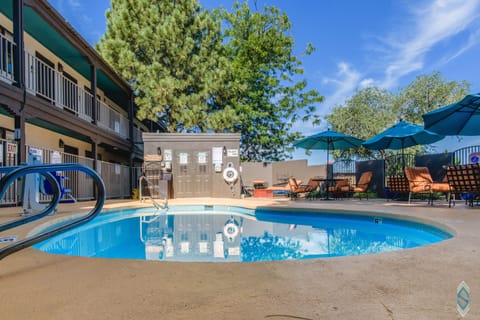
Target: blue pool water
222, 233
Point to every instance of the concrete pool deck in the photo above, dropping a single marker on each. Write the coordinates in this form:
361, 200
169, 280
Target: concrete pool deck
419, 283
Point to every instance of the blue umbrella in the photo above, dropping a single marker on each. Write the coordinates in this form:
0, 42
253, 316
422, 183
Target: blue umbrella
328, 140
400, 136
461, 118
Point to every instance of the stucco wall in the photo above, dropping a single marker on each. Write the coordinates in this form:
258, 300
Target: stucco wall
277, 172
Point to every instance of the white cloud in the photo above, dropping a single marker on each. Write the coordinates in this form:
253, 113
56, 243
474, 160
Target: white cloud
473, 39
365, 83
346, 80
431, 24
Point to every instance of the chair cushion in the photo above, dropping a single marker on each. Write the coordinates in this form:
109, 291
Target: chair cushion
440, 187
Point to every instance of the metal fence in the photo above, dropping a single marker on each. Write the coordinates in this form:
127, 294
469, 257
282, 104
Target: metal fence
8, 157
344, 169
115, 176
466, 155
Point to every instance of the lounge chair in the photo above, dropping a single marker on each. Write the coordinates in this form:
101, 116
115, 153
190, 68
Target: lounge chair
464, 181
363, 184
420, 181
341, 189
396, 186
296, 188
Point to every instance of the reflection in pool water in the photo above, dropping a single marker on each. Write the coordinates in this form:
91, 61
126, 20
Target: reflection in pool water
237, 234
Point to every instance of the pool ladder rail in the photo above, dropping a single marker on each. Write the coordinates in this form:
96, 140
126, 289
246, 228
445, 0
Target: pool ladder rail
13, 173
156, 204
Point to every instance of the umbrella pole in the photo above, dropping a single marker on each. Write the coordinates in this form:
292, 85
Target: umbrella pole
328, 167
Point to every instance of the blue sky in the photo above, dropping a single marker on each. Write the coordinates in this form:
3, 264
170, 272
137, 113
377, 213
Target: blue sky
359, 43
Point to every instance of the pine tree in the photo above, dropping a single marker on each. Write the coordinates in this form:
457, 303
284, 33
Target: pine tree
171, 53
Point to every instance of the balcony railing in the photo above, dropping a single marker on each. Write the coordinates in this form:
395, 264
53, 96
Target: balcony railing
44, 81
6, 59
138, 138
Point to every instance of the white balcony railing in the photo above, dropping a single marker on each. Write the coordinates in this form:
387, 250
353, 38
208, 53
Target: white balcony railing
44, 81
6, 59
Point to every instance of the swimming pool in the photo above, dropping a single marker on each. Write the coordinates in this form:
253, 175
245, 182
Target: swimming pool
225, 233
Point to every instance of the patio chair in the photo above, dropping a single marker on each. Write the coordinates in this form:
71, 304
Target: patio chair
464, 181
420, 181
341, 189
65, 193
296, 188
363, 184
396, 186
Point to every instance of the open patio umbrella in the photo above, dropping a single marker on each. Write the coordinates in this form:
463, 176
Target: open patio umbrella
460, 118
328, 140
400, 136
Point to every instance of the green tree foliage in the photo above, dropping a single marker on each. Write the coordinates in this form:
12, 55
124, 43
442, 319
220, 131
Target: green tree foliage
368, 112
427, 93
273, 97
171, 53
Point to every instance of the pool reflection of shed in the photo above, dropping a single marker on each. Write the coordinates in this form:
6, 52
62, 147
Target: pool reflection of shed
198, 165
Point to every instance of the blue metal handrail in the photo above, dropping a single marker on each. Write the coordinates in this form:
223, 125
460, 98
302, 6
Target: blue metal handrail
18, 172
56, 191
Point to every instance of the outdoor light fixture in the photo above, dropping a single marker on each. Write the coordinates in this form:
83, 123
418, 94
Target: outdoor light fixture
159, 151
224, 150
61, 144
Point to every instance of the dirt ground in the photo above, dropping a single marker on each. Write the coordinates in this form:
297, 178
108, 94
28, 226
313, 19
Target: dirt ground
418, 283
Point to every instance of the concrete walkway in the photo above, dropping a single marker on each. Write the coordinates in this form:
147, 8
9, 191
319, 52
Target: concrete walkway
418, 283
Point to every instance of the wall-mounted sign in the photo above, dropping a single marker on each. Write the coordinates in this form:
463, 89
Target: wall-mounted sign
183, 158
217, 155
167, 155
55, 157
11, 147
232, 152
152, 157
474, 157
38, 153
202, 158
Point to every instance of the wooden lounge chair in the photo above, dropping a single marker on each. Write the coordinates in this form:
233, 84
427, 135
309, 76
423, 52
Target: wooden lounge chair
420, 181
363, 184
464, 181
